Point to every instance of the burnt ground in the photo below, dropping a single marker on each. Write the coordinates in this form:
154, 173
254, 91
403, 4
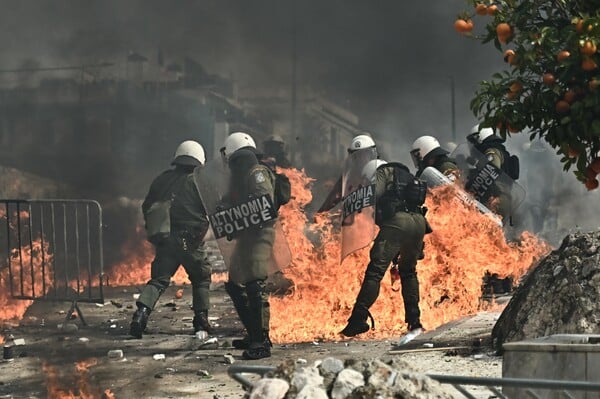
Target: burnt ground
190, 369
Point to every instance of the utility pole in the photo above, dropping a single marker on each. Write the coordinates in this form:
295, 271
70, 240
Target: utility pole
452, 108
293, 98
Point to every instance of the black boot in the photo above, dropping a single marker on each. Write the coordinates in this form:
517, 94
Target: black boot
258, 351
243, 343
139, 321
357, 323
201, 322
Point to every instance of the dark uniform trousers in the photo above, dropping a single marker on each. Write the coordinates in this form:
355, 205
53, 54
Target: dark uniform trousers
247, 282
179, 249
403, 235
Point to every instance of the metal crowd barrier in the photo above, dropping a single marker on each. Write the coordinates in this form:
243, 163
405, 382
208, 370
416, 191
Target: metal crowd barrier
52, 250
559, 389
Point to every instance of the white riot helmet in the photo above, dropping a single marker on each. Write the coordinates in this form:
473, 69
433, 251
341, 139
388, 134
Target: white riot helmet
189, 152
424, 146
368, 172
235, 141
478, 135
361, 142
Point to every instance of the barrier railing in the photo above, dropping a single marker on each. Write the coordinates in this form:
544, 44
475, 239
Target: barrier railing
53, 250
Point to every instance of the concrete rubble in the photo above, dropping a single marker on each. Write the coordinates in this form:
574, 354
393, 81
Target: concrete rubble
352, 379
561, 295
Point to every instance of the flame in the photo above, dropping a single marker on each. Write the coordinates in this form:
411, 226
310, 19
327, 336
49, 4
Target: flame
84, 389
462, 247
21, 278
134, 268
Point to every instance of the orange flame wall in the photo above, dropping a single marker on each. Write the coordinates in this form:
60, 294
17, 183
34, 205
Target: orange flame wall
462, 247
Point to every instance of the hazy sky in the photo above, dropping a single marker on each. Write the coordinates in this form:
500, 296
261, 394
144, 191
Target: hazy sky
389, 61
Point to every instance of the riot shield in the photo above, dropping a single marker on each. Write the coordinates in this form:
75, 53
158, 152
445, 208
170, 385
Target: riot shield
228, 221
435, 178
358, 203
488, 185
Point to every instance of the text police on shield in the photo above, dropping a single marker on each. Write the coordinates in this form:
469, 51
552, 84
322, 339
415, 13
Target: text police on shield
254, 212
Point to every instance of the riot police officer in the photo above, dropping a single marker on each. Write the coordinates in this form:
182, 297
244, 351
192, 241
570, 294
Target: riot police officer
274, 151
402, 226
491, 146
427, 151
253, 249
176, 224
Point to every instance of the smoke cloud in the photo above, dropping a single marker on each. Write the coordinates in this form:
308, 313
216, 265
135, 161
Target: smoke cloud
390, 62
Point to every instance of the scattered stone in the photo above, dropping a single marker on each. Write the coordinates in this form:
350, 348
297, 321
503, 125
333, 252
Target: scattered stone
115, 354
229, 359
203, 373
61, 312
68, 328
116, 304
18, 341
355, 379
158, 375
347, 380
201, 334
301, 361
306, 376
309, 392
428, 345
100, 305
136, 296
269, 388
211, 343
84, 339
159, 356
187, 319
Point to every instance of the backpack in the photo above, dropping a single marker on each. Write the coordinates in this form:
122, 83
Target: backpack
511, 165
405, 193
282, 185
283, 190
158, 216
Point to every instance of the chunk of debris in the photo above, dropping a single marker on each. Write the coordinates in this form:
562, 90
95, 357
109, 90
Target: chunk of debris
203, 374
18, 341
116, 304
211, 343
159, 356
84, 339
229, 359
68, 328
115, 354
272, 388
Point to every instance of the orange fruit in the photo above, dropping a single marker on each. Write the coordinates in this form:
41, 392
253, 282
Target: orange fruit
516, 87
461, 25
548, 79
570, 96
511, 95
572, 152
513, 129
595, 165
509, 55
588, 48
563, 55
590, 173
469, 25
179, 294
588, 64
480, 9
503, 31
491, 10
591, 184
562, 107
579, 26
593, 84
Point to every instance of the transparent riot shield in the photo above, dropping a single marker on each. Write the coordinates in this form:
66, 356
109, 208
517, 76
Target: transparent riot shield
489, 185
435, 178
358, 203
229, 221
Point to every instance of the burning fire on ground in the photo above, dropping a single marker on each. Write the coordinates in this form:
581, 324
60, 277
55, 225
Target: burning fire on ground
80, 379
462, 247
